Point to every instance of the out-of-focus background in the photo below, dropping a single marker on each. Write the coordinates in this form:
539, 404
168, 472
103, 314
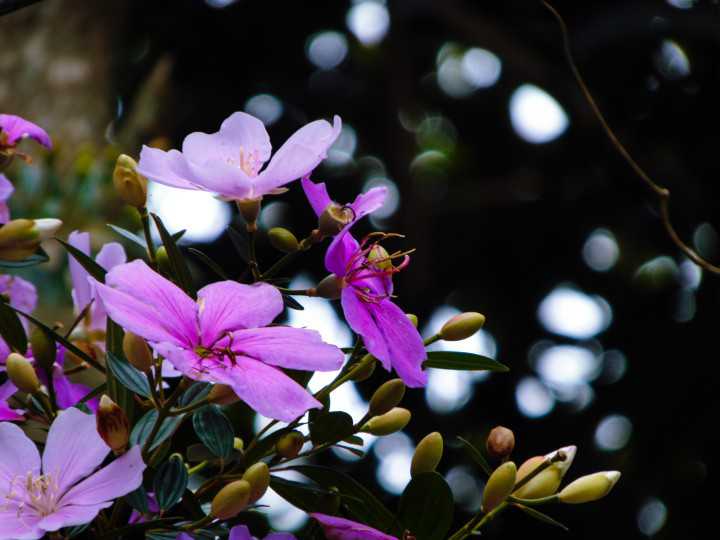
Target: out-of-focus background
499, 176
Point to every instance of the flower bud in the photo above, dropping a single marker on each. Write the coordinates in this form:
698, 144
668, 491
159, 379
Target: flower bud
20, 238
500, 442
283, 240
364, 369
428, 454
238, 444
22, 373
47, 227
17, 232
250, 210
390, 422
548, 480
589, 488
387, 396
330, 287
113, 425
380, 258
290, 444
499, 486
462, 326
137, 351
222, 394
43, 348
334, 218
258, 476
231, 500
129, 184
413, 319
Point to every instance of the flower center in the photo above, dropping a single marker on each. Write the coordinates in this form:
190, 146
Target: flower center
37, 493
249, 162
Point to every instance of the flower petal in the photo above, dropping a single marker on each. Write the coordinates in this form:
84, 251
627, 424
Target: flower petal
293, 348
148, 304
67, 392
111, 255
184, 360
317, 195
6, 191
20, 529
22, 293
341, 251
240, 532
167, 168
70, 515
228, 305
368, 202
300, 154
82, 293
118, 478
360, 318
265, 389
337, 528
18, 455
17, 128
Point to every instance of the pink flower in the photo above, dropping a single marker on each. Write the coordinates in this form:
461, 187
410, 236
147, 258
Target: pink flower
337, 528
110, 255
366, 280
64, 489
229, 162
14, 128
7, 389
222, 337
6, 190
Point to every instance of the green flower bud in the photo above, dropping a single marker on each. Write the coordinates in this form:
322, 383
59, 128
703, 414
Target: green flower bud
428, 454
43, 348
387, 396
334, 218
499, 486
589, 488
283, 240
113, 425
258, 476
20, 238
462, 326
22, 373
161, 256
130, 185
290, 444
379, 257
390, 422
231, 500
364, 369
500, 442
330, 287
238, 444
250, 210
413, 319
547, 481
17, 232
222, 394
137, 352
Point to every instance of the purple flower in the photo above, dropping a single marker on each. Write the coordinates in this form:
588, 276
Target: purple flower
222, 337
229, 162
7, 389
67, 393
6, 190
14, 128
110, 255
64, 489
337, 528
366, 272
241, 532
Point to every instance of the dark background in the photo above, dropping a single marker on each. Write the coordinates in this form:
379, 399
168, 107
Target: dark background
500, 222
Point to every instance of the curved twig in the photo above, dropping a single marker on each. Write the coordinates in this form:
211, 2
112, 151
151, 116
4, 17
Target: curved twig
662, 193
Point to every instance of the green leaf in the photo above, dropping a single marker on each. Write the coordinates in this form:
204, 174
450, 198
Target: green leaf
290, 302
212, 265
117, 390
361, 504
178, 266
426, 507
178, 235
354, 439
306, 497
11, 329
196, 392
72, 532
170, 482
462, 361
331, 427
87, 262
138, 500
144, 426
94, 392
134, 238
38, 257
540, 516
129, 377
214, 430
476, 455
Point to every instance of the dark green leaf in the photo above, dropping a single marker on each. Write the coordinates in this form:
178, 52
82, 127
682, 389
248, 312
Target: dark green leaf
540, 516
11, 329
214, 430
144, 426
87, 262
309, 498
354, 439
290, 302
240, 242
134, 238
331, 427
138, 500
117, 390
94, 392
178, 235
72, 532
462, 361
38, 257
196, 392
426, 507
129, 377
129, 531
361, 504
170, 482
212, 265
476, 455
178, 266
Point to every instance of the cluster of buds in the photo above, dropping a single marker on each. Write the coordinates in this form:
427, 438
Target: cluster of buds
235, 496
385, 416
20, 238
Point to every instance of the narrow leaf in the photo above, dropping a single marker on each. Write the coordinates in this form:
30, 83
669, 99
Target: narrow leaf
462, 361
196, 392
130, 377
179, 268
87, 262
134, 238
240, 242
476, 455
11, 329
212, 265
426, 507
214, 430
170, 482
144, 426
94, 392
290, 302
540, 516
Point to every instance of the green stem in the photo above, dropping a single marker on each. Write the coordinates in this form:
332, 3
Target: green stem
145, 218
477, 522
197, 524
254, 267
197, 468
305, 244
190, 408
298, 292
432, 339
343, 378
163, 413
533, 502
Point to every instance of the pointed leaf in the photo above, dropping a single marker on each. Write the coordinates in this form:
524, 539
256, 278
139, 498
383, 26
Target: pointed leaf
290, 302
462, 361
214, 430
196, 392
426, 507
306, 497
212, 265
331, 427
540, 516
130, 377
87, 262
170, 482
178, 266
11, 329
94, 392
117, 390
476, 455
144, 427
134, 238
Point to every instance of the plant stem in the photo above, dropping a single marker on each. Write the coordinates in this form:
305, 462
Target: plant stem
305, 244
145, 218
190, 408
163, 413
